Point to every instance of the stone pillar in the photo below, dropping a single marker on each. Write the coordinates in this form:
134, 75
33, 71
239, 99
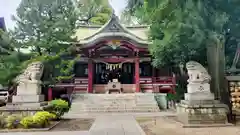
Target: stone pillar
90, 76
50, 94
137, 76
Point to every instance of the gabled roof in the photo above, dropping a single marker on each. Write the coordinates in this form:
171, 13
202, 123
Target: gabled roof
113, 28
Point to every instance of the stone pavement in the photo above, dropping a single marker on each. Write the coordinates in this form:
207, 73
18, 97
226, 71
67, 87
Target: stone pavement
125, 124
134, 114
103, 125
116, 125
48, 133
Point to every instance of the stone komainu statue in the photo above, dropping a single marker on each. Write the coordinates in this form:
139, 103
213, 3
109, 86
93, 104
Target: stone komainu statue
32, 73
197, 73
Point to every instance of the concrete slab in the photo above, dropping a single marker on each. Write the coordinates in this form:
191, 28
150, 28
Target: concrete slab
120, 125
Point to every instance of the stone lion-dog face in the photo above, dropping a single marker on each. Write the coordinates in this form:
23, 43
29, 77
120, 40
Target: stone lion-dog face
33, 72
196, 68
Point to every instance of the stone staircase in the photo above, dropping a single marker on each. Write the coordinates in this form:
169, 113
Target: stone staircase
96, 103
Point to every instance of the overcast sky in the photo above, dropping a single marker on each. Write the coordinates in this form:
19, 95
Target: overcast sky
8, 8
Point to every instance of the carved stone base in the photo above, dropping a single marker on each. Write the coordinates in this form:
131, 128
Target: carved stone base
28, 98
199, 96
199, 102
30, 88
200, 114
198, 87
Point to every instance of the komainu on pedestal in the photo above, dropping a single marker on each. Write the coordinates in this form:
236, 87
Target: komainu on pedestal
29, 87
199, 106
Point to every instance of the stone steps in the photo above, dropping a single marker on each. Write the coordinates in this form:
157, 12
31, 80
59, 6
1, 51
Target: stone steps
117, 110
120, 107
94, 103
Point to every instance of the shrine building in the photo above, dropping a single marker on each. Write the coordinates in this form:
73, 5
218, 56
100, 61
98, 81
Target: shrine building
117, 55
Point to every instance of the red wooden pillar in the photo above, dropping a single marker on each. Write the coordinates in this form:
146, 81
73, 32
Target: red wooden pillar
153, 78
137, 76
153, 74
49, 94
90, 76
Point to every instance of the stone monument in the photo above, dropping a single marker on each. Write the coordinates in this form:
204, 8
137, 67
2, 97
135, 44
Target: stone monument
199, 106
29, 87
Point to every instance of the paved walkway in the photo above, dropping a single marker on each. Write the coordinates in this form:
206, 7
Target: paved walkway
125, 124
112, 125
48, 133
134, 114
103, 125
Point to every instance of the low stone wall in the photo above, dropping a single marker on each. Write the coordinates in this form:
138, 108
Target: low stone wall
23, 112
206, 114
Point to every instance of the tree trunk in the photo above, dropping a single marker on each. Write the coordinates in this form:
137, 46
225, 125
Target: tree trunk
224, 91
216, 64
212, 58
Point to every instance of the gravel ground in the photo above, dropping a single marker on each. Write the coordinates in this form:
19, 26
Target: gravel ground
166, 126
74, 125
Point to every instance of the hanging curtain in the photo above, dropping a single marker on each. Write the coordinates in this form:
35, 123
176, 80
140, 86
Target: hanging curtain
124, 68
129, 68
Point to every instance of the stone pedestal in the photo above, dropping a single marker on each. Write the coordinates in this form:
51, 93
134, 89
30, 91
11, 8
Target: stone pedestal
202, 112
28, 95
199, 107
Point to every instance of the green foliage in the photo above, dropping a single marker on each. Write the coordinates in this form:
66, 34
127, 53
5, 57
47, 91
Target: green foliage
58, 107
10, 60
41, 25
38, 120
26, 122
2, 121
182, 30
46, 114
102, 17
46, 28
12, 121
96, 12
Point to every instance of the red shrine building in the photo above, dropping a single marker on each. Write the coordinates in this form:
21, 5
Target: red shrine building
118, 54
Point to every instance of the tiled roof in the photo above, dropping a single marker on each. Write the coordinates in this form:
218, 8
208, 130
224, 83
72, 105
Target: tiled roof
89, 34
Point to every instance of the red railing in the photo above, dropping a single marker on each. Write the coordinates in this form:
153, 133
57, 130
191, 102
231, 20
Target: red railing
165, 84
157, 84
81, 84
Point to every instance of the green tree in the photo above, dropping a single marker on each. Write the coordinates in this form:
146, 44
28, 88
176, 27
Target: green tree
191, 30
46, 28
40, 25
96, 12
10, 60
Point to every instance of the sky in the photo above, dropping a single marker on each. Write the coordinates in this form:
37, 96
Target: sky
8, 8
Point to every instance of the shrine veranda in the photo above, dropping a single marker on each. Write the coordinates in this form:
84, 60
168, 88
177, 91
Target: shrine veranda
119, 50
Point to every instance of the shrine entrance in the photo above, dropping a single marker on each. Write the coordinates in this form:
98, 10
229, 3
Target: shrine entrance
107, 72
114, 53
